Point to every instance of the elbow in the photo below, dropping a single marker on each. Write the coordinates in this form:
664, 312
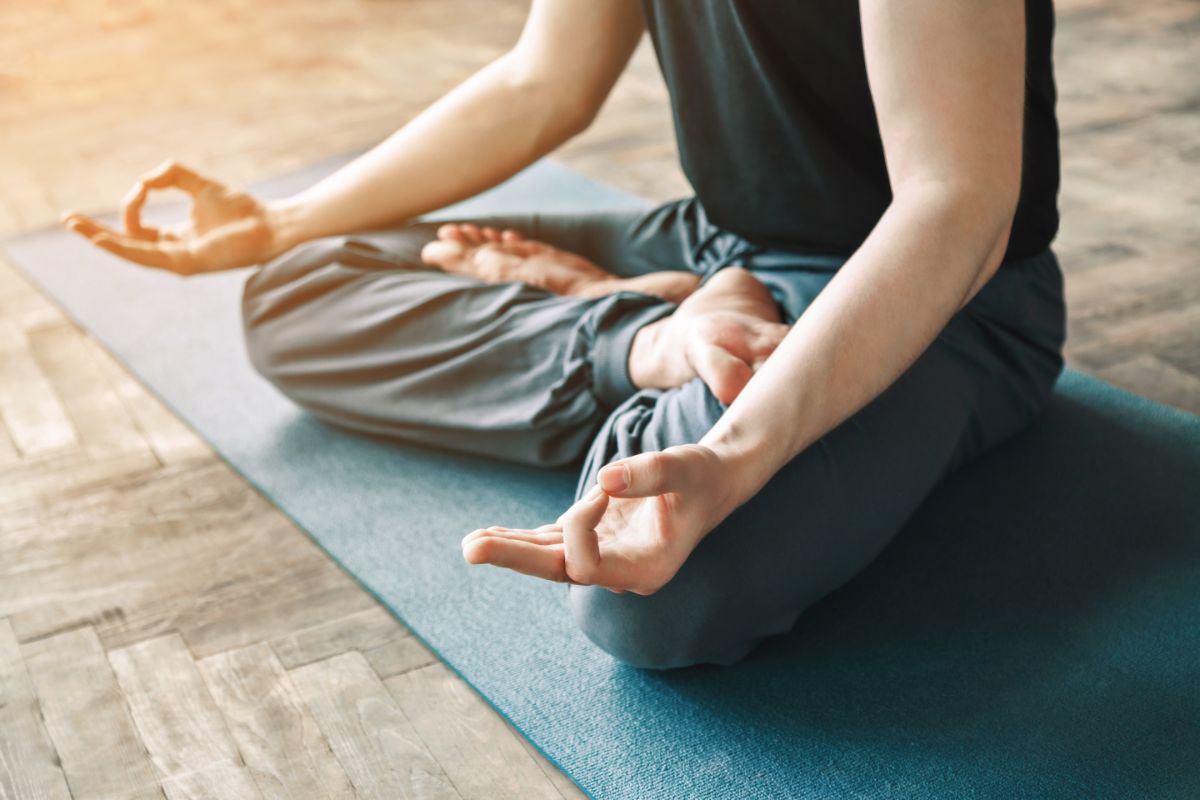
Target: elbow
976, 214
986, 214
980, 209
994, 212
983, 208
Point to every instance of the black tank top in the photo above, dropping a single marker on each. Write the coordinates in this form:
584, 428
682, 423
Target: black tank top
777, 132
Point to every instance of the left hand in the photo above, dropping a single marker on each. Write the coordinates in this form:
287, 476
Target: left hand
630, 533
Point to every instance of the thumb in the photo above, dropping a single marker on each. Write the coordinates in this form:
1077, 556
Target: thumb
645, 475
724, 373
581, 548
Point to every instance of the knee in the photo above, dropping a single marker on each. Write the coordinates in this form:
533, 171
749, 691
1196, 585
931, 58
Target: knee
278, 288
667, 630
261, 336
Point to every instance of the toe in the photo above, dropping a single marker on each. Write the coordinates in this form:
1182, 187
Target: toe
491, 234
450, 232
509, 235
443, 253
471, 233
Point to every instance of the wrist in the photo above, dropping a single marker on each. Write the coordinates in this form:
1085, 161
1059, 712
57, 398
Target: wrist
742, 462
643, 353
286, 222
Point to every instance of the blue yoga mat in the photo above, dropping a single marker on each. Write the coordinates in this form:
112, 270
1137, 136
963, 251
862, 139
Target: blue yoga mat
1033, 632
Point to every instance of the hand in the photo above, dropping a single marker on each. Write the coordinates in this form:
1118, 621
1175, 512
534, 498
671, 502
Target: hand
226, 228
631, 533
722, 334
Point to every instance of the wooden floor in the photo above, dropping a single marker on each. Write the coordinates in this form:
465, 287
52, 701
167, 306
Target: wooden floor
165, 631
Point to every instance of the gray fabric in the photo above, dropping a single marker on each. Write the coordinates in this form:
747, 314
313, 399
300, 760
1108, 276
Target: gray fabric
359, 332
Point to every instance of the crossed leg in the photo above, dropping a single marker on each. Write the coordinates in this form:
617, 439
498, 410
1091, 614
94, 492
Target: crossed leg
358, 332
362, 331
826, 515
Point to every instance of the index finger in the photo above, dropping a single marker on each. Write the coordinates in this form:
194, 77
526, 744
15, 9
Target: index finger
167, 175
162, 255
581, 546
540, 560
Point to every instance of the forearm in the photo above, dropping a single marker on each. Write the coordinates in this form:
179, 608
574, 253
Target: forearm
484, 131
927, 256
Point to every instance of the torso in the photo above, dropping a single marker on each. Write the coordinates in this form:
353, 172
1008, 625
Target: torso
777, 132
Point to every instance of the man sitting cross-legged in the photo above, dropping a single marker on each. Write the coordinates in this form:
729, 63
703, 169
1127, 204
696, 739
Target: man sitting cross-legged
762, 382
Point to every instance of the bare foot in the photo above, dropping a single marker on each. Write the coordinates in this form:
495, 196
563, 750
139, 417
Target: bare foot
722, 334
499, 256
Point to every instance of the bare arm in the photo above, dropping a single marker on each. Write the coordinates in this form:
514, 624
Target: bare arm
512, 112
517, 109
947, 79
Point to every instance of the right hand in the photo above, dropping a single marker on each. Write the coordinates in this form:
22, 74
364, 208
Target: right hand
226, 228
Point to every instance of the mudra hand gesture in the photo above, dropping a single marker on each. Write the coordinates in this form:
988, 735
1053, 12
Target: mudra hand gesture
226, 228
630, 533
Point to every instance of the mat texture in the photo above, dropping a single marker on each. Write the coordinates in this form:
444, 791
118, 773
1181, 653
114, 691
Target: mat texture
1034, 631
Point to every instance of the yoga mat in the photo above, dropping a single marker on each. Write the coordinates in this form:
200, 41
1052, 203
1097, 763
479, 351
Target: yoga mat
1033, 632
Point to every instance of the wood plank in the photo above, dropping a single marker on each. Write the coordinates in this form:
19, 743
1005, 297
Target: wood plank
86, 717
278, 580
362, 631
170, 439
29, 768
68, 359
565, 786
1154, 379
381, 752
196, 551
478, 749
280, 742
386, 644
399, 656
32, 413
129, 559
1137, 336
180, 725
23, 306
8, 449
63, 475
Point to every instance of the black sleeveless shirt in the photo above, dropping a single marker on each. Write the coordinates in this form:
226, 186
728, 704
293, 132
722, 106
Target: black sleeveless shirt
777, 132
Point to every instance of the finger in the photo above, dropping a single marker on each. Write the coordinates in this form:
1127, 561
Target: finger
118, 243
540, 561
645, 475
724, 373
533, 537
162, 255
173, 175
85, 226
131, 212
581, 547
168, 175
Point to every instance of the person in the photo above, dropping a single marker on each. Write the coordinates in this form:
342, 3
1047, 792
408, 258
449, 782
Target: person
763, 381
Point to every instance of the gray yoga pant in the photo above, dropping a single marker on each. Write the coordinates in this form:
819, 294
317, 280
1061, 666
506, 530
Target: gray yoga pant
357, 331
